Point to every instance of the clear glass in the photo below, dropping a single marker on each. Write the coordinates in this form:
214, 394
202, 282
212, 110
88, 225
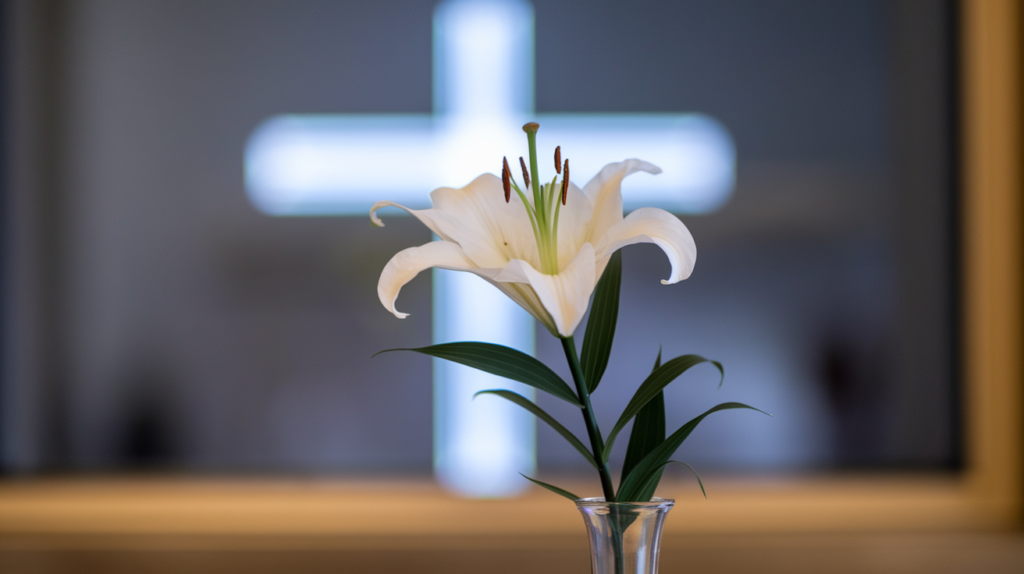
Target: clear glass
625, 537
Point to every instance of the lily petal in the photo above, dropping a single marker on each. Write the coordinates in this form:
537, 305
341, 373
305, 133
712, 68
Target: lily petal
605, 193
565, 296
426, 216
407, 264
653, 225
523, 295
573, 225
490, 231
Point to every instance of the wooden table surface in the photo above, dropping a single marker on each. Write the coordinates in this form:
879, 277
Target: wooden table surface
168, 525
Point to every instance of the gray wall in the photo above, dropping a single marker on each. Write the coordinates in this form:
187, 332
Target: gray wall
163, 320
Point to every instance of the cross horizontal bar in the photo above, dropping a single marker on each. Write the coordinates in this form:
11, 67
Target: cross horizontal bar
341, 164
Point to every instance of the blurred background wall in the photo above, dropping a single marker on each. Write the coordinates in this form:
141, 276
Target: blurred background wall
154, 318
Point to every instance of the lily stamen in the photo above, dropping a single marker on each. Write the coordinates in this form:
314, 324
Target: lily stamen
558, 159
506, 182
565, 181
526, 172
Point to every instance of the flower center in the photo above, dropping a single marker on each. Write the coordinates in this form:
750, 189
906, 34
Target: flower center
544, 209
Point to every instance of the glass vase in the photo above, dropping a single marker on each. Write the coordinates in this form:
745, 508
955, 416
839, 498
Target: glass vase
625, 537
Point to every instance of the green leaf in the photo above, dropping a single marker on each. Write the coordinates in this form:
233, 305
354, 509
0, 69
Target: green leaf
539, 413
604, 313
552, 488
632, 486
504, 362
656, 381
648, 428
652, 481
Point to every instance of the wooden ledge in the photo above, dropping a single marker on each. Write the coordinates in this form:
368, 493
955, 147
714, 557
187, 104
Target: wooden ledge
392, 513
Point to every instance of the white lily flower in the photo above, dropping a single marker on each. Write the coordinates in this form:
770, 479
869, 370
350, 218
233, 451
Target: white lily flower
547, 259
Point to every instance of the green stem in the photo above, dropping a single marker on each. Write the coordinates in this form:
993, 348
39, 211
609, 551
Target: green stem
596, 442
617, 550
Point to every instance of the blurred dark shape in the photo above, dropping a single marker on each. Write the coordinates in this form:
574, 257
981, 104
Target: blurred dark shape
837, 372
854, 378
148, 435
148, 440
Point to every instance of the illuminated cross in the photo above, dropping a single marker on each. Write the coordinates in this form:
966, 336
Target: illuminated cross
483, 94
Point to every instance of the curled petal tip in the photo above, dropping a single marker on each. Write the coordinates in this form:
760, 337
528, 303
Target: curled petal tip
408, 263
650, 168
373, 213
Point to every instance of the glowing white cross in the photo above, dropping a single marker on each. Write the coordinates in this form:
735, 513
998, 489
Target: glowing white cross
483, 94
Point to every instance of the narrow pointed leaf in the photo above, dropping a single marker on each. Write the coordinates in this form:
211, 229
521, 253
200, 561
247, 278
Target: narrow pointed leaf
648, 429
632, 486
656, 381
539, 413
604, 314
648, 432
504, 362
552, 488
652, 481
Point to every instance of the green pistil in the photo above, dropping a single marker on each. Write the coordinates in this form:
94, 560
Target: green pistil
555, 192
531, 138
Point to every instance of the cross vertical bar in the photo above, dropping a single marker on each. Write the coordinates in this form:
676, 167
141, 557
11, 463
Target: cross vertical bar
483, 84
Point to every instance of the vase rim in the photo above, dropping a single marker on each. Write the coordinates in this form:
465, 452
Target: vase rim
598, 501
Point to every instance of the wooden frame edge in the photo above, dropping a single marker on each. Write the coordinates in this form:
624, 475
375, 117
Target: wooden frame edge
992, 250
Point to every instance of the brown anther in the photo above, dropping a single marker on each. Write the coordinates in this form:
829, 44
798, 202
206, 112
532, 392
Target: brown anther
506, 177
526, 172
558, 159
565, 181
531, 127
